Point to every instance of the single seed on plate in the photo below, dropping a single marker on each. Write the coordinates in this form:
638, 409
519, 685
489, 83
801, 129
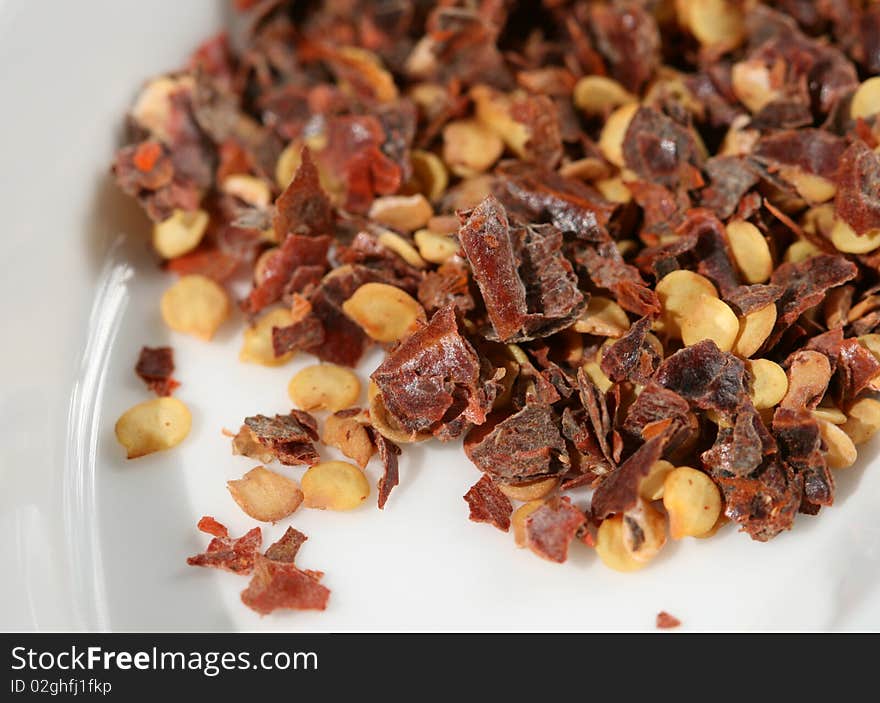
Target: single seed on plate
469, 147
401, 247
334, 485
195, 305
153, 426
324, 387
349, 434
250, 189
265, 495
430, 172
846, 240
831, 414
435, 248
651, 487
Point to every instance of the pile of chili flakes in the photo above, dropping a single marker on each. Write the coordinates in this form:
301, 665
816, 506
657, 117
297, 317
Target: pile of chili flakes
567, 157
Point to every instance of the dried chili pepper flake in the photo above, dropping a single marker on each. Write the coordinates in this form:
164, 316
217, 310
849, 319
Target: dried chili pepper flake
619, 491
388, 453
223, 552
280, 585
665, 621
287, 547
433, 377
519, 448
488, 504
552, 527
155, 366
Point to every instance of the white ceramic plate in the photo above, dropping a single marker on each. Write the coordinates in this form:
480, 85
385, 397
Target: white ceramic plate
91, 541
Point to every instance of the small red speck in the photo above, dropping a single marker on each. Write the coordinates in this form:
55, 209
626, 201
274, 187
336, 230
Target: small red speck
665, 621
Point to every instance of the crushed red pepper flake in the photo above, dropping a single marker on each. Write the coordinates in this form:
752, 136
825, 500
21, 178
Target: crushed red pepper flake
488, 504
223, 552
155, 366
665, 621
552, 527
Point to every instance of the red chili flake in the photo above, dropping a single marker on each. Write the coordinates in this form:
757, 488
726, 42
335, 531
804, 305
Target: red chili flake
235, 555
286, 548
485, 239
433, 377
656, 404
388, 453
765, 503
607, 269
155, 366
280, 585
489, 504
631, 358
541, 195
729, 180
522, 447
208, 262
662, 151
286, 438
448, 285
805, 284
594, 402
800, 443
706, 377
857, 367
210, 526
741, 449
627, 36
619, 491
552, 527
858, 188
303, 207
665, 621
296, 250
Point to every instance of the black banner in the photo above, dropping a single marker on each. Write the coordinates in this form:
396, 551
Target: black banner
256, 666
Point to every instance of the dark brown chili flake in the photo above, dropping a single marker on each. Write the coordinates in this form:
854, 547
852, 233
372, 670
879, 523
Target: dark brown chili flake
488, 504
155, 366
286, 548
858, 188
520, 448
619, 491
285, 438
388, 453
433, 377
